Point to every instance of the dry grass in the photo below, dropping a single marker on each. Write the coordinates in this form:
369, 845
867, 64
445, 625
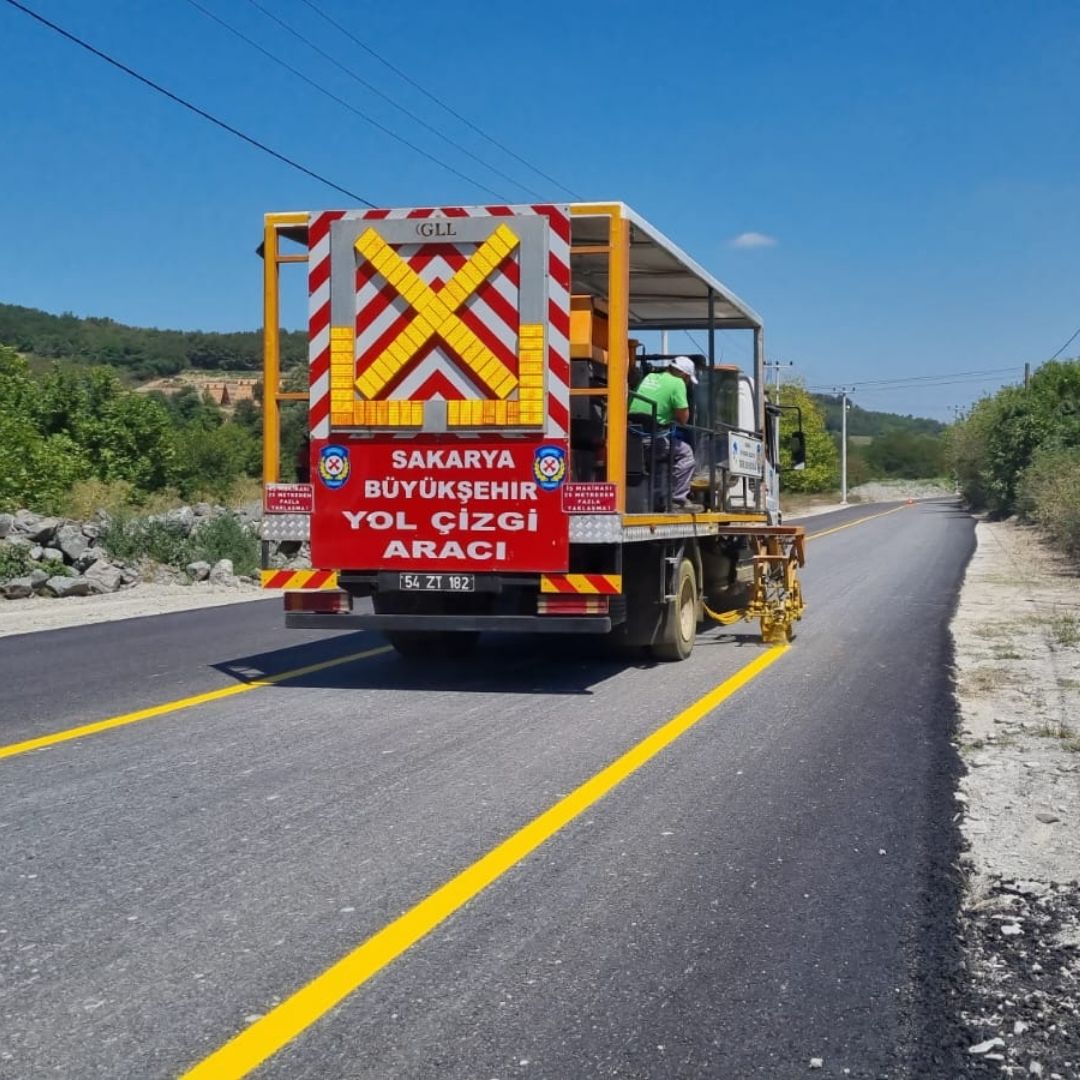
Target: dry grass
1006, 652
984, 679
1065, 629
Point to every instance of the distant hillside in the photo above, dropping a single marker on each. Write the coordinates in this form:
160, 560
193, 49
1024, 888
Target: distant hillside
868, 422
139, 353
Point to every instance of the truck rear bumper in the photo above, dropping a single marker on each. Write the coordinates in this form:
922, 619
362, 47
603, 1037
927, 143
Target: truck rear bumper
504, 624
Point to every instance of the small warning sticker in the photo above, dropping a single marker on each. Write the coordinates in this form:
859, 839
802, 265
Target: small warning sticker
289, 499
588, 499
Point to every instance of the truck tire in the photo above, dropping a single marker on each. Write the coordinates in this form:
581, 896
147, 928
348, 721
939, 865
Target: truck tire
676, 640
433, 644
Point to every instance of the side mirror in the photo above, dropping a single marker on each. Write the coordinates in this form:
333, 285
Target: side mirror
798, 450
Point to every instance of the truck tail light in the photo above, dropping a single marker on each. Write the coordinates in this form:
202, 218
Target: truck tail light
572, 605
327, 601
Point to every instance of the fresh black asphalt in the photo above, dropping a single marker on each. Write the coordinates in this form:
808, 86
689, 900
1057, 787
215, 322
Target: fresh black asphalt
775, 887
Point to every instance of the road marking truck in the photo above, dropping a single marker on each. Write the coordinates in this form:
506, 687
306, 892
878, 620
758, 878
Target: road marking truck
480, 456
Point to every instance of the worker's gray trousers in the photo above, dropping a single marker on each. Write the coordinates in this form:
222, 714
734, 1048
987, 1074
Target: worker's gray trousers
682, 468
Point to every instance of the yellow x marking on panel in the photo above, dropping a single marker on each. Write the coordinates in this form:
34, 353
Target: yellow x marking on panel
434, 312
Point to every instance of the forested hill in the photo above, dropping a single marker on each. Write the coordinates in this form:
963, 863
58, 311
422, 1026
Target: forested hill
139, 353
868, 422
143, 354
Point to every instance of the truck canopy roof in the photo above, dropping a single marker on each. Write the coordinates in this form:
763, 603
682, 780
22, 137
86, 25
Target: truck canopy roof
668, 289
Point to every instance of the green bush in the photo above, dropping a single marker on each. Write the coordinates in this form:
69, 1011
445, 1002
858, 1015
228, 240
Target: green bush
210, 461
226, 537
133, 538
77, 427
36, 471
1049, 494
822, 457
14, 562
990, 450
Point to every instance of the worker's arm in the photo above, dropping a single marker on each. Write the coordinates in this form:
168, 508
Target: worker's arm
681, 416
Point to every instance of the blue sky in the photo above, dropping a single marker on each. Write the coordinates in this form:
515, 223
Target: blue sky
913, 163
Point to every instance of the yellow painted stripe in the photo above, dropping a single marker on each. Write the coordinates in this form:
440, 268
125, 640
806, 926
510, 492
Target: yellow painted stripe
857, 521
14, 749
299, 579
580, 583
281, 1025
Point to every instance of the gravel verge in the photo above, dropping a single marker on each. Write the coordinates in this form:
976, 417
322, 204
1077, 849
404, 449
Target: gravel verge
1017, 655
41, 613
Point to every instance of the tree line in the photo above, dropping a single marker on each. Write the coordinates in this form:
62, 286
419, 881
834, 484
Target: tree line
1018, 452
75, 437
140, 353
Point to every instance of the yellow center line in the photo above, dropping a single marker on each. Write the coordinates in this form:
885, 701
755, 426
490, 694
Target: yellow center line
13, 749
857, 521
303, 1008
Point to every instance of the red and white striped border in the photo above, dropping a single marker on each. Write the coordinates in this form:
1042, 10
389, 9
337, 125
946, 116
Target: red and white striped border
558, 330
319, 321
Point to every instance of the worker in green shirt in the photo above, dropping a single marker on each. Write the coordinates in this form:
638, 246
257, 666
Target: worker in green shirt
668, 389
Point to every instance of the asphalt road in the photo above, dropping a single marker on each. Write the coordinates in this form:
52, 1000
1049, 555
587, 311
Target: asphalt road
772, 887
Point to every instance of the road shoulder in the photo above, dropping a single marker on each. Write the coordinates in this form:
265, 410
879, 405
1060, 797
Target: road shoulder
42, 613
1017, 653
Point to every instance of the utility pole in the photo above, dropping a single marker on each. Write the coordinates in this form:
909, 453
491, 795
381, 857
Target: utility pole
843, 391
777, 365
663, 343
1027, 375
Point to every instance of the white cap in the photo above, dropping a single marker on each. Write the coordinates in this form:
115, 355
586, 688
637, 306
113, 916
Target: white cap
685, 365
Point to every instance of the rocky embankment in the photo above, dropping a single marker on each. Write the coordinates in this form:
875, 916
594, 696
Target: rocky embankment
53, 557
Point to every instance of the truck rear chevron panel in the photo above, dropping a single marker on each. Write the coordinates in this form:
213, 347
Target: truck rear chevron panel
299, 579
319, 321
607, 584
491, 314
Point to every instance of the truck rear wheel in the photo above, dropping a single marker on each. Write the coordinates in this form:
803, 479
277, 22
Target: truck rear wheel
676, 641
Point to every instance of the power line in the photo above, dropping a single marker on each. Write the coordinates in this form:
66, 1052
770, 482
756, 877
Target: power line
340, 101
187, 104
401, 108
1076, 334
861, 389
701, 348
905, 379
915, 380
442, 105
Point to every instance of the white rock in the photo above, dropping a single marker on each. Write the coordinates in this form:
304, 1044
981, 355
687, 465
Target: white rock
986, 1047
222, 572
817, 1063
1011, 930
104, 577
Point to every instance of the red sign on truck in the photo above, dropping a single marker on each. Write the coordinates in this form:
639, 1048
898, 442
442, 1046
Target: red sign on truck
288, 499
394, 504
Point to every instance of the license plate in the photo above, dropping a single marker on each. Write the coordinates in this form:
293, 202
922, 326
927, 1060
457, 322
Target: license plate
436, 582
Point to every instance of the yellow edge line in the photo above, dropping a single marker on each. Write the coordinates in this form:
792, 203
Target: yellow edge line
282, 1024
857, 521
124, 719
